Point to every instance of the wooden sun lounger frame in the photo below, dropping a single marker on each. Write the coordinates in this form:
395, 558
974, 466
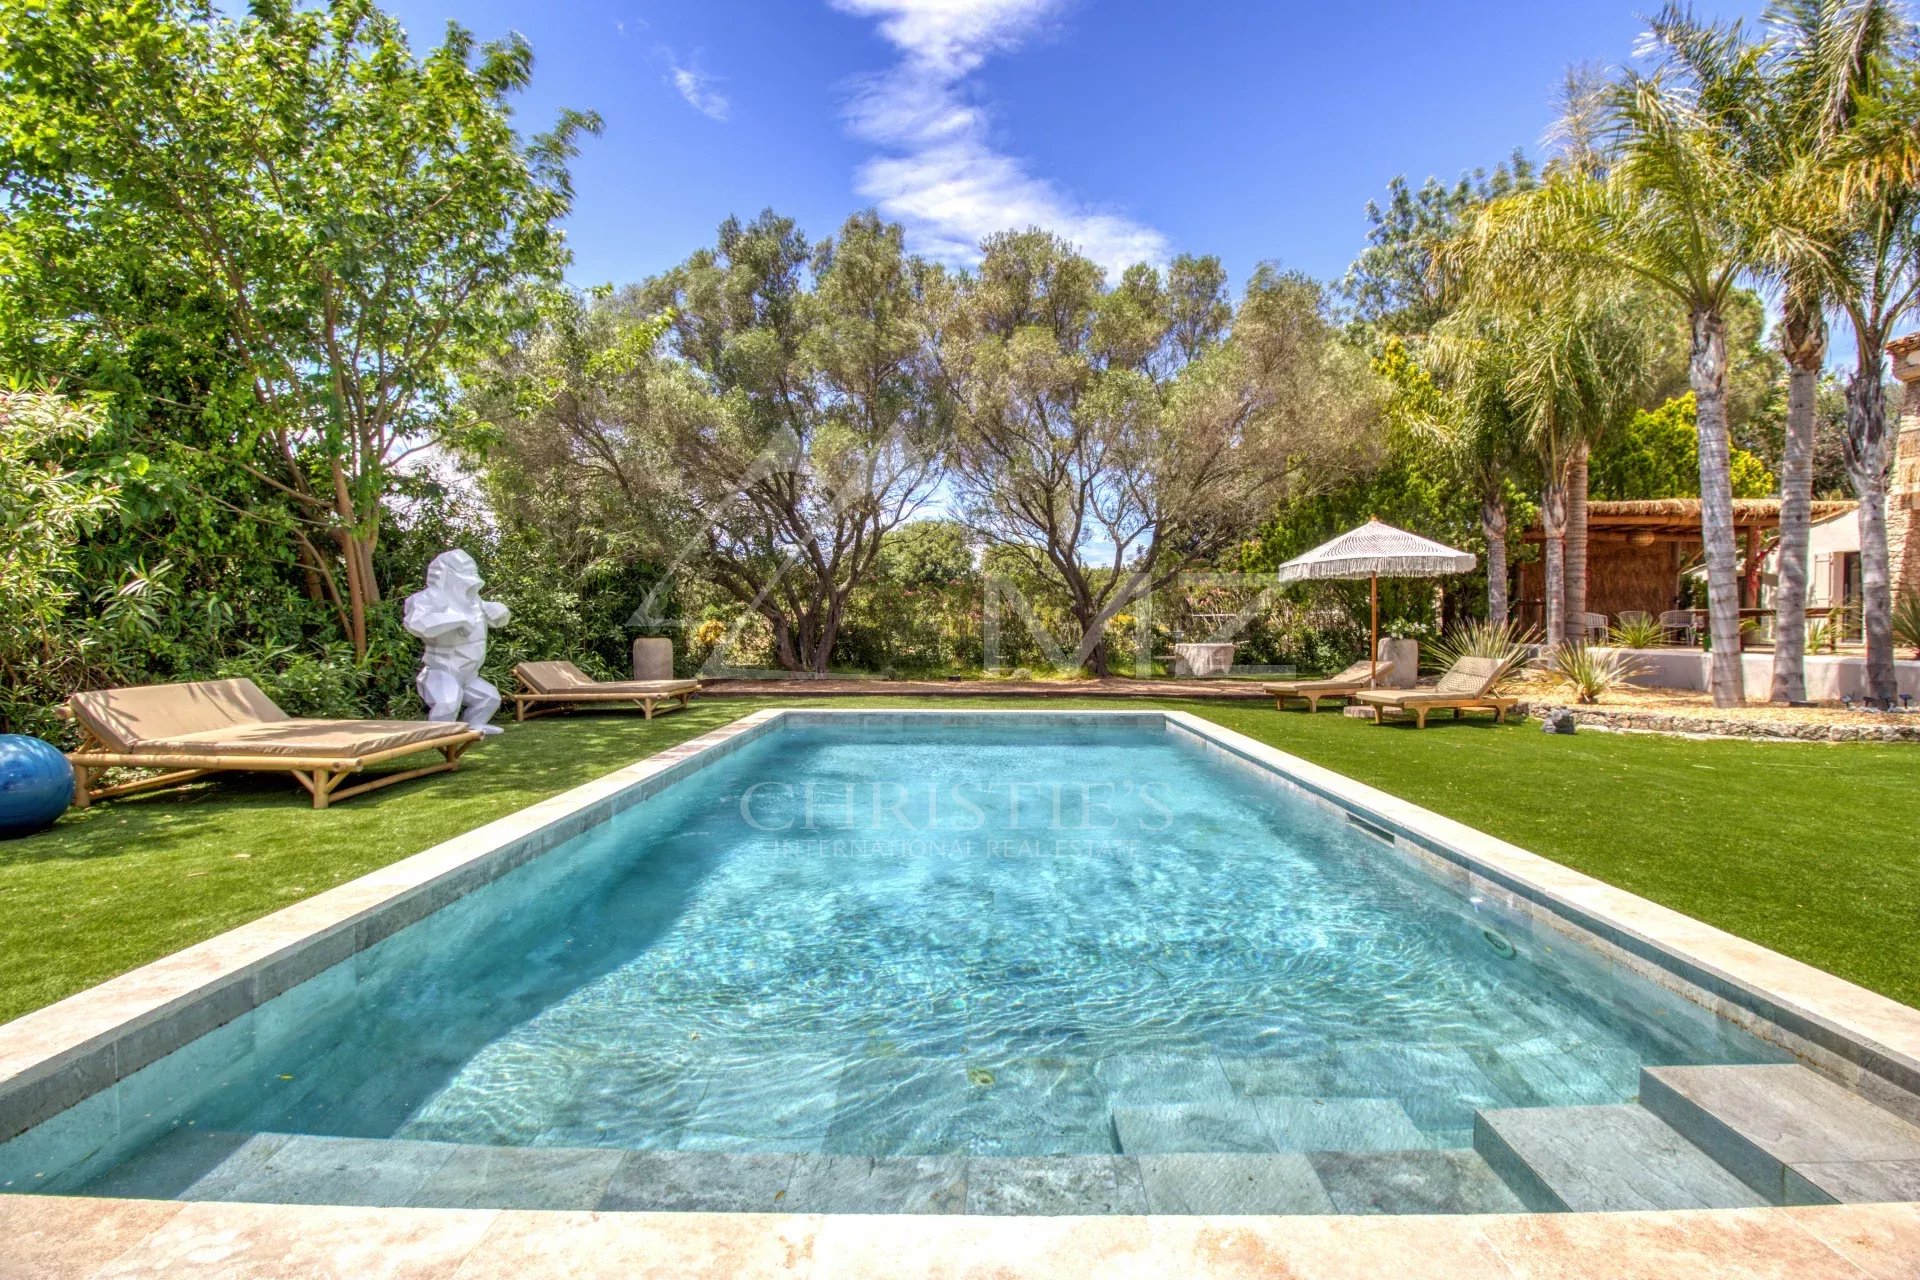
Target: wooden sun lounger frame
1421, 704
1313, 691
320, 775
526, 698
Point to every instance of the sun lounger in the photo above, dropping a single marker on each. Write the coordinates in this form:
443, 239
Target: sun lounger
215, 726
547, 687
1467, 686
1344, 685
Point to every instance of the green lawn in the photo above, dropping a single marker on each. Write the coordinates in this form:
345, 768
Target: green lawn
1809, 849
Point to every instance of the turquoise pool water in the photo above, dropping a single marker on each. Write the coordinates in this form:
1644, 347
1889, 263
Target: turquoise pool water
890, 938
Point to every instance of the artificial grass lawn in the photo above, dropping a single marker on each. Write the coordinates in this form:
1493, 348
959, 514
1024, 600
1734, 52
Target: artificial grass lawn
1805, 848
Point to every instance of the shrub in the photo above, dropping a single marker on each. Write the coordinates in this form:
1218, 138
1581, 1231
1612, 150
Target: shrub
1592, 675
1906, 622
1507, 641
1639, 633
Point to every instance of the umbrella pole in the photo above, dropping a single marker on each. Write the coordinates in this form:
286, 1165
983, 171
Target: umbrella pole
1373, 650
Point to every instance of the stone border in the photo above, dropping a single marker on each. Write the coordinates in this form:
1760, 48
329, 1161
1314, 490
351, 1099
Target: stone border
56, 1057
1627, 720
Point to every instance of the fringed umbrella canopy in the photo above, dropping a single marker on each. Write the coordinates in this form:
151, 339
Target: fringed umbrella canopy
1376, 551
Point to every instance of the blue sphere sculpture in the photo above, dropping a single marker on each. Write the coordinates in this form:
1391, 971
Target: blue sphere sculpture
36, 784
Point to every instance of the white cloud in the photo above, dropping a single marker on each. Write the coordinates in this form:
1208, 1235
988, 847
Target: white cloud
697, 88
939, 172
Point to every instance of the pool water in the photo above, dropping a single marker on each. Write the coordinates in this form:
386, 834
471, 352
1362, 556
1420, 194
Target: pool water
892, 938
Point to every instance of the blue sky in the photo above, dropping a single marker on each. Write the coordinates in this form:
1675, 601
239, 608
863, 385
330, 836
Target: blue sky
1139, 128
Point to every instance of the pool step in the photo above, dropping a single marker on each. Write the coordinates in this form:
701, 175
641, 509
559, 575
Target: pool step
1602, 1158
1792, 1135
1266, 1124
303, 1169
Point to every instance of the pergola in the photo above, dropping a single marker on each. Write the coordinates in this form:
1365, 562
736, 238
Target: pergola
1637, 552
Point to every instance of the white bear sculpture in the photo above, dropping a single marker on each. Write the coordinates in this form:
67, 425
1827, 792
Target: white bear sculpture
452, 621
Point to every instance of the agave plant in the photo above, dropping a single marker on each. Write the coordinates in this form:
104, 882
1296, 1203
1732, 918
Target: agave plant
1825, 634
1593, 675
1906, 621
1508, 642
1638, 633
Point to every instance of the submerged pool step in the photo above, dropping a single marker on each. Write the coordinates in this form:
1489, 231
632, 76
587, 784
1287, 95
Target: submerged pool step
1266, 1124
304, 1169
1601, 1159
1792, 1135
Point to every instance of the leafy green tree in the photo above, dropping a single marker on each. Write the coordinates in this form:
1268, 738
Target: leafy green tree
1114, 437
1393, 287
45, 506
1657, 455
359, 219
760, 416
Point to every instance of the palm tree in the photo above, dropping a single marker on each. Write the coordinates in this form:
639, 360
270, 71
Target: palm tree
1875, 283
1677, 209
1479, 428
1820, 62
1549, 374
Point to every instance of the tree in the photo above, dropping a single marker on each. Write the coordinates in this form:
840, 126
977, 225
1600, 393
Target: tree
360, 219
1656, 454
1874, 280
1474, 416
1803, 86
1556, 373
1679, 209
761, 415
45, 505
1151, 425
1393, 287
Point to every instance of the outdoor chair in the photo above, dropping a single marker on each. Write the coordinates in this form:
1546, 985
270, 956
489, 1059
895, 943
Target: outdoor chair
1344, 685
1680, 622
1467, 686
215, 726
1592, 626
549, 687
1634, 617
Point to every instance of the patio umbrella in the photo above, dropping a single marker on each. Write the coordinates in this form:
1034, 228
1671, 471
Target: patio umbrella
1374, 551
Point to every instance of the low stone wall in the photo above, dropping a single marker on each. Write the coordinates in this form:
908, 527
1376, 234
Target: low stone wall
1897, 728
1829, 678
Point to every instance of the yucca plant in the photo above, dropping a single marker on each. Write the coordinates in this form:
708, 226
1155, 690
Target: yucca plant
1508, 642
1906, 621
1638, 633
1590, 674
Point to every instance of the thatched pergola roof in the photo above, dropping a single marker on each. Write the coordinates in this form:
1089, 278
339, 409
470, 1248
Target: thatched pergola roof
1678, 519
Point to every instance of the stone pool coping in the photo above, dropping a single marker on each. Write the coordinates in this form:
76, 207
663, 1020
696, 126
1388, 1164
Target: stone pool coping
48, 1236
57, 1056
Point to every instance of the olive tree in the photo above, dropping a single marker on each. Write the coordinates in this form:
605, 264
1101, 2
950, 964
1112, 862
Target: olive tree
1109, 438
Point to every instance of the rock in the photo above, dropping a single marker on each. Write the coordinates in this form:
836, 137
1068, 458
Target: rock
1557, 720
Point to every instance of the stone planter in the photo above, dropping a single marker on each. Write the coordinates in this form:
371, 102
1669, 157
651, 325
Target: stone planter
1399, 664
1202, 660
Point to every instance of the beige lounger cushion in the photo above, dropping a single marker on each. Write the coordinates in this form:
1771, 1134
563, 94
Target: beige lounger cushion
125, 719
564, 677
320, 739
233, 717
1467, 678
1357, 676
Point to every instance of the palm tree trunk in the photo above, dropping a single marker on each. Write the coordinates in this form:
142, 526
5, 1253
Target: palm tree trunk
1553, 520
1493, 528
1577, 539
1803, 340
1867, 465
1707, 371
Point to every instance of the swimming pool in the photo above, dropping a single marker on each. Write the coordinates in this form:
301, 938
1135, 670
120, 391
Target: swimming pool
897, 938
